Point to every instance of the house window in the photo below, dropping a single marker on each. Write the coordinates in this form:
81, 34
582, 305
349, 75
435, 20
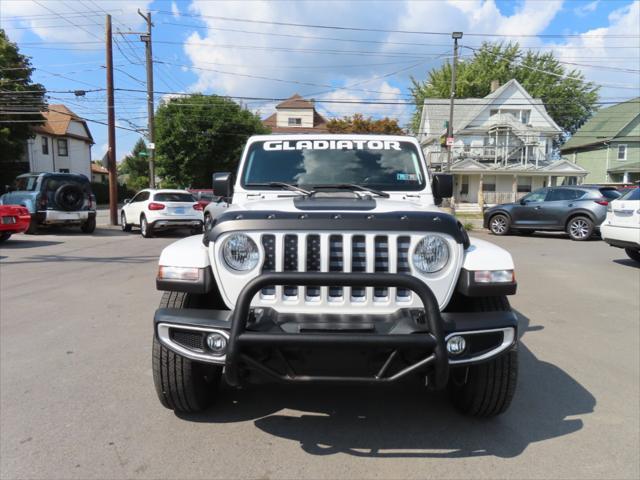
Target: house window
524, 184
524, 116
63, 147
45, 146
489, 183
295, 121
622, 152
467, 148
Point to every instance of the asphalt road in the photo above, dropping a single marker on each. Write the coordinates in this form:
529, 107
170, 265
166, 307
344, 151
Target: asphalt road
77, 399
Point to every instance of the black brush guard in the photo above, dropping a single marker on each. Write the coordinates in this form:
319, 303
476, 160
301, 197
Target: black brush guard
432, 341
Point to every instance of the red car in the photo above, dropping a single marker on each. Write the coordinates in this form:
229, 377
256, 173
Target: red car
13, 219
203, 196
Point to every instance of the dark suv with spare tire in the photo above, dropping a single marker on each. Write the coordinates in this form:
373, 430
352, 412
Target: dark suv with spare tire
577, 210
54, 199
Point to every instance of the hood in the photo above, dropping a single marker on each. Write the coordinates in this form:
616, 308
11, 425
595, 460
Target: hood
373, 204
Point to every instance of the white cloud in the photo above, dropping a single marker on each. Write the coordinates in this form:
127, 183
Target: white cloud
276, 56
175, 10
586, 9
57, 20
605, 56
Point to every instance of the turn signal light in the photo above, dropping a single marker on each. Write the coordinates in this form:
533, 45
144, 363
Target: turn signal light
493, 276
604, 203
156, 206
186, 274
197, 206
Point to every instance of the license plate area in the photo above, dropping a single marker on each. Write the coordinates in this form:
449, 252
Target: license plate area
178, 211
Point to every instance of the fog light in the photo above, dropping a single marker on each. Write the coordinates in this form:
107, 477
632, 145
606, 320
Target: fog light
217, 343
456, 345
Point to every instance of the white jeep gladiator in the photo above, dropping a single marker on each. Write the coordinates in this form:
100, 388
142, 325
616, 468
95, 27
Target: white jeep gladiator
333, 264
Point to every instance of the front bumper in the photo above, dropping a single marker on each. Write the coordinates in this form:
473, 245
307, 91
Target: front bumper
336, 348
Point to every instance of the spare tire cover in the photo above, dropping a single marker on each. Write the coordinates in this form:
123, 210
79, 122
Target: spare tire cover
69, 197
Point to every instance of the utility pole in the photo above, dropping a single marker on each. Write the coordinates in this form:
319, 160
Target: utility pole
146, 38
111, 122
456, 36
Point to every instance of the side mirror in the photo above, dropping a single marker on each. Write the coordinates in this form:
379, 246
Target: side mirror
9, 188
442, 185
223, 184
523, 201
127, 200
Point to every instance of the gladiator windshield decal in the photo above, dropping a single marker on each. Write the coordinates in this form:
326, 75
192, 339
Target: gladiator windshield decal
386, 165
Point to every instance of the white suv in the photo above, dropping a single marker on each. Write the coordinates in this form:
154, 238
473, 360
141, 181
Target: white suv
154, 210
621, 228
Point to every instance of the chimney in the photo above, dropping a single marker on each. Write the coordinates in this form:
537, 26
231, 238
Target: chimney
495, 84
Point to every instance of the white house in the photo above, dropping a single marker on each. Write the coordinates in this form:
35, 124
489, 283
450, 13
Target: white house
61, 144
296, 115
502, 148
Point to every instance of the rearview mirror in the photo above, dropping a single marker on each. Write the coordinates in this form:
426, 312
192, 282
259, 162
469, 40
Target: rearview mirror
223, 184
442, 185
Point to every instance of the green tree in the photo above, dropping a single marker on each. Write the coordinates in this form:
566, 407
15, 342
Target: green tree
359, 124
568, 97
135, 167
197, 135
20, 102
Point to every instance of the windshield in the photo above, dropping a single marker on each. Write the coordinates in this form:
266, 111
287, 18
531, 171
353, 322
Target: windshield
173, 197
379, 164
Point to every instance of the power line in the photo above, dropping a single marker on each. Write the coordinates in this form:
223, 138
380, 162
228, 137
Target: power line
382, 30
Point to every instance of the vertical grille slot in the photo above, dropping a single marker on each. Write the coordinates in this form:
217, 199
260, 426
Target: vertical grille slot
269, 264
381, 262
313, 263
403, 264
358, 262
336, 262
290, 262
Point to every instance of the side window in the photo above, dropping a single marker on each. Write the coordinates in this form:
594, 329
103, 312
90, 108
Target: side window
560, 194
536, 197
45, 146
622, 152
63, 147
136, 198
143, 196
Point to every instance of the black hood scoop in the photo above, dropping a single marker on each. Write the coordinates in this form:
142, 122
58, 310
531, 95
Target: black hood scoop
332, 201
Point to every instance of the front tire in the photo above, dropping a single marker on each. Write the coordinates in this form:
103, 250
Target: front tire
580, 228
126, 227
182, 385
633, 254
145, 229
4, 237
486, 389
499, 224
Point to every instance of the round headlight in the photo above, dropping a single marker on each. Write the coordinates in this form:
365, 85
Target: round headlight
240, 252
431, 254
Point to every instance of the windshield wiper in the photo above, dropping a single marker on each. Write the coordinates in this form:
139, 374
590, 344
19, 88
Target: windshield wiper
353, 186
286, 186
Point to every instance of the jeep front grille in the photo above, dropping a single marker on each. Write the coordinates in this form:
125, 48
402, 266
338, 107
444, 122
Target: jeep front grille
327, 252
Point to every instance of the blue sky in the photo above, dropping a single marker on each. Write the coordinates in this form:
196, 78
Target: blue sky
197, 52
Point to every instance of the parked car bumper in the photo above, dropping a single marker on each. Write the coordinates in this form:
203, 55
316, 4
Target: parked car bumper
14, 219
57, 217
342, 348
622, 237
170, 223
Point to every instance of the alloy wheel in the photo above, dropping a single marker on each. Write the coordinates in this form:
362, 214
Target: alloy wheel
579, 229
498, 225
